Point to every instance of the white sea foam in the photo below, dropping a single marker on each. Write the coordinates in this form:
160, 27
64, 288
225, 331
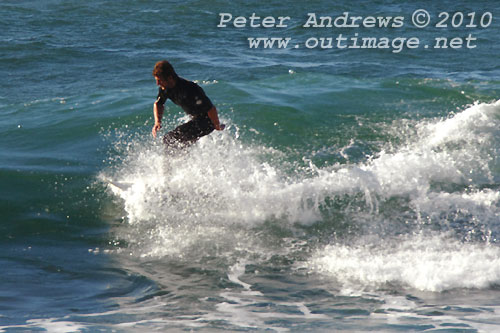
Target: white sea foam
459, 150
426, 263
217, 189
54, 325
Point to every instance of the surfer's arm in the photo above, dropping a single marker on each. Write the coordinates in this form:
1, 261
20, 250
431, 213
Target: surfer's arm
214, 117
158, 114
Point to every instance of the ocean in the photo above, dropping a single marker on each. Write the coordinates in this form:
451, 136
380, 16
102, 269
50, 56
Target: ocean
356, 186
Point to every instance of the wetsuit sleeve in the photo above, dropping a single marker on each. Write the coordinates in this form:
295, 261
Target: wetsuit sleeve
162, 96
202, 103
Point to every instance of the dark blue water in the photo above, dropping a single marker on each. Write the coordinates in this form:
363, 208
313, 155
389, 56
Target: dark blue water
352, 189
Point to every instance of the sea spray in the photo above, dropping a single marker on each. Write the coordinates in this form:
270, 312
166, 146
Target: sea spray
219, 194
453, 241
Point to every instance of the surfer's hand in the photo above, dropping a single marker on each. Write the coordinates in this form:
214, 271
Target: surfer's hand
220, 127
156, 128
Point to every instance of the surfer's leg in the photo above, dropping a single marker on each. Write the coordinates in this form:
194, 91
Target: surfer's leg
176, 137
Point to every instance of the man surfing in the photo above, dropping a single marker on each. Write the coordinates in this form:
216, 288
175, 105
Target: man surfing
191, 98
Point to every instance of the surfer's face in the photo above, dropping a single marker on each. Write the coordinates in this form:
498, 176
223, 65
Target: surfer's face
164, 84
161, 82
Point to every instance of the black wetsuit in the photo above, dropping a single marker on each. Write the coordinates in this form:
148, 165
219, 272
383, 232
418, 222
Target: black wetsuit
192, 99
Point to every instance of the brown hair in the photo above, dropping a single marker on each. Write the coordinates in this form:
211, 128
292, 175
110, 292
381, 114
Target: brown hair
163, 69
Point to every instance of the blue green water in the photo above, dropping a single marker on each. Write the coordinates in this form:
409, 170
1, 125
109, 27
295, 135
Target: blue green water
352, 189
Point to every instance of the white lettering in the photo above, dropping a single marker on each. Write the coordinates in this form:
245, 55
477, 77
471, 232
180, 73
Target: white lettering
253, 21
224, 18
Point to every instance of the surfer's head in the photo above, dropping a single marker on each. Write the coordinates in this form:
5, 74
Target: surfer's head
164, 74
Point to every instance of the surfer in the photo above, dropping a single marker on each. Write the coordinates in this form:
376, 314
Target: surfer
191, 98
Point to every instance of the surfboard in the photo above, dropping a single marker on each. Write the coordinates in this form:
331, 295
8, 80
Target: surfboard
118, 187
